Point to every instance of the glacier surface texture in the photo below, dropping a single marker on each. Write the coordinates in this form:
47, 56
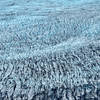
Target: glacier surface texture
49, 49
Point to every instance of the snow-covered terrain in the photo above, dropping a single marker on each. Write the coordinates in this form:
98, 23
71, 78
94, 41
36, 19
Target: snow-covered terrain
49, 49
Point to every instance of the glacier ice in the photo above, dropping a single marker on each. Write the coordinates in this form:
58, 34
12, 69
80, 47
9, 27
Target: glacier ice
49, 50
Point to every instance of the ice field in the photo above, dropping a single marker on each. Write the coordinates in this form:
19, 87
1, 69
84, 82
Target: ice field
49, 49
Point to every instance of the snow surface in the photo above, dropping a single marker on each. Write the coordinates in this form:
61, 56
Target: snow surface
48, 45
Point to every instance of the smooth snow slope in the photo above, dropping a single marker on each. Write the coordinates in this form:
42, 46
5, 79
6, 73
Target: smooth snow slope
37, 7
49, 49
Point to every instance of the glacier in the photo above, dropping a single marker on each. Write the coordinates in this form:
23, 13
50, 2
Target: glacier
49, 50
